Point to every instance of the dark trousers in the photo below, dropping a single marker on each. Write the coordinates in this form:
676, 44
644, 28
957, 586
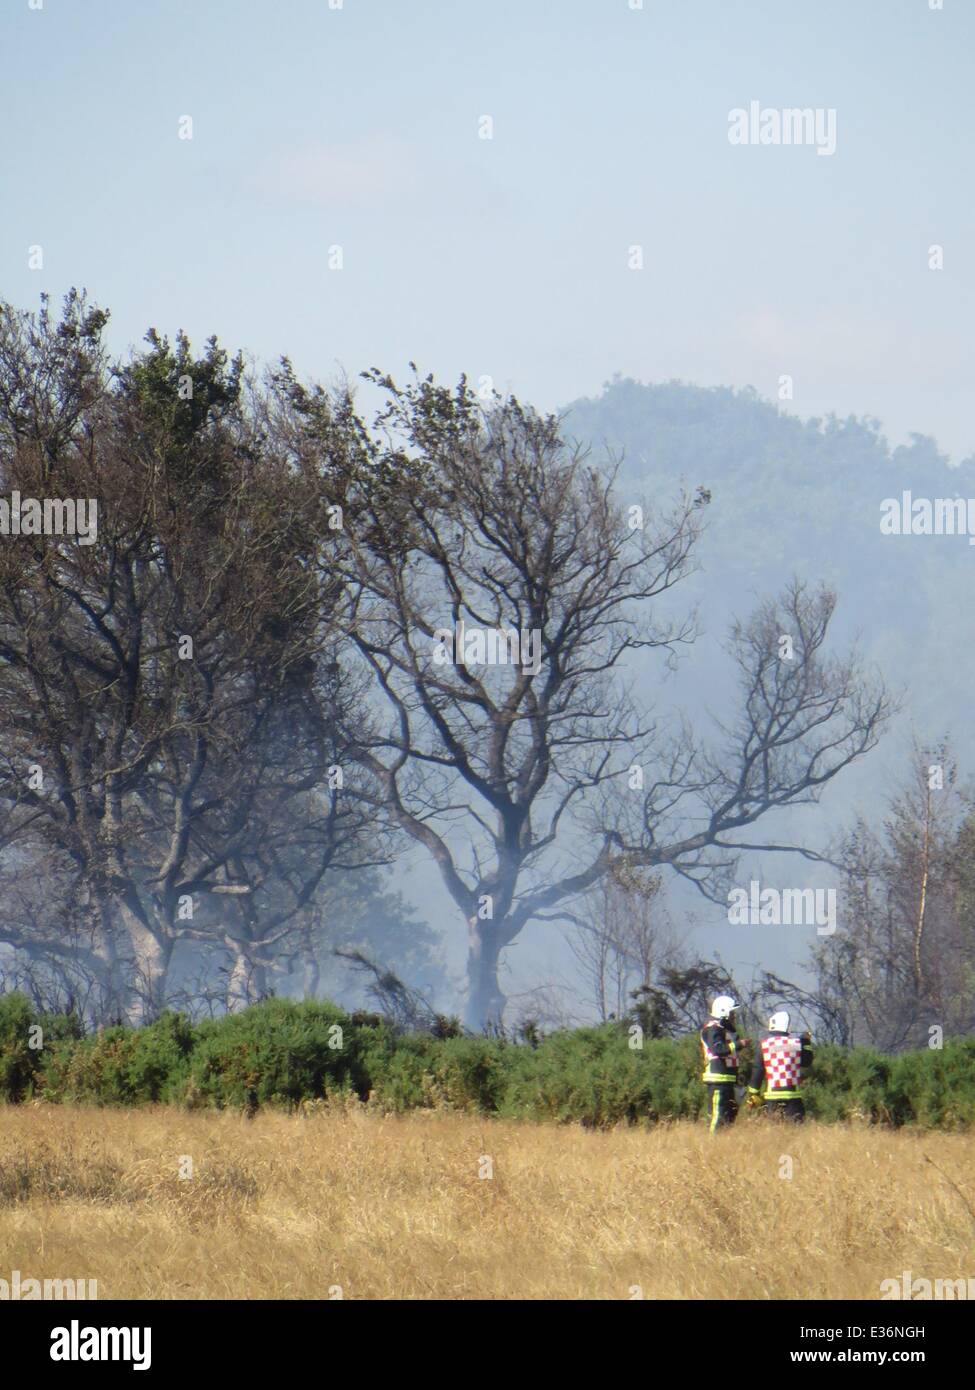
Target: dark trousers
793, 1110
722, 1105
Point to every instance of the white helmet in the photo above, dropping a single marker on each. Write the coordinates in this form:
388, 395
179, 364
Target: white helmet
723, 1006
779, 1022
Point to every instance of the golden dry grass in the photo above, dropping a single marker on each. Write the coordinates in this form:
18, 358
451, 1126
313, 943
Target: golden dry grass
291, 1206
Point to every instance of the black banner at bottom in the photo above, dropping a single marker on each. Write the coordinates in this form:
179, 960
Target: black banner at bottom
176, 1337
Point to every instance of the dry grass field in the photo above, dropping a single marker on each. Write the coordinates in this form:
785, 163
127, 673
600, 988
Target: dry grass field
292, 1206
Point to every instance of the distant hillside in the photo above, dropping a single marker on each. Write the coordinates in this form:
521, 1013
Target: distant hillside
792, 496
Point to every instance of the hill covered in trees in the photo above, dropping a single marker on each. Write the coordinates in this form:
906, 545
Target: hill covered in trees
805, 496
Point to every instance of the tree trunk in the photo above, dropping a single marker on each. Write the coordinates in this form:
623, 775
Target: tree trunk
919, 924
115, 988
247, 982
485, 1002
151, 952
135, 978
238, 984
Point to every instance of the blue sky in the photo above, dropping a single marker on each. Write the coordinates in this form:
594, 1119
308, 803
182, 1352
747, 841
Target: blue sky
358, 127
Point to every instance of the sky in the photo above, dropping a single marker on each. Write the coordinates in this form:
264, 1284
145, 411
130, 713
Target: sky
337, 200
359, 127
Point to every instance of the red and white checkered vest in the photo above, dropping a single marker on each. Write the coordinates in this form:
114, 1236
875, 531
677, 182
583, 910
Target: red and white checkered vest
781, 1053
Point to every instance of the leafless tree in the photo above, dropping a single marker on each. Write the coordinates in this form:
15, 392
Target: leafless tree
485, 518
622, 938
904, 958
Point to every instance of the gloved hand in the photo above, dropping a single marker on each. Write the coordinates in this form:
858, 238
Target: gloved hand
753, 1099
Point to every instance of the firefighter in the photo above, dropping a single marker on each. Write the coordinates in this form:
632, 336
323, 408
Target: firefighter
782, 1060
719, 1039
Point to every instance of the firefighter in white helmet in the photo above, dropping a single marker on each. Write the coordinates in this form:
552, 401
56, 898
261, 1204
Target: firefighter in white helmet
782, 1061
719, 1040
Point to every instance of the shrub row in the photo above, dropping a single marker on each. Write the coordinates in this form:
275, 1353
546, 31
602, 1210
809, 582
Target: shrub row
283, 1053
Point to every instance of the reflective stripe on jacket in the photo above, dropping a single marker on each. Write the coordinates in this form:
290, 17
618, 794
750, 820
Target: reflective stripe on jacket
720, 1052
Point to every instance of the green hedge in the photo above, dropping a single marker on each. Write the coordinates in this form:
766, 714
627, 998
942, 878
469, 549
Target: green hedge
284, 1052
